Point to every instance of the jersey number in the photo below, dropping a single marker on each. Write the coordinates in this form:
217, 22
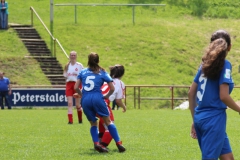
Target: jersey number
203, 86
89, 81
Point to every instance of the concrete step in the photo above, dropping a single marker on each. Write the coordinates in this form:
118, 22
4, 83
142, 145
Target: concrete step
38, 50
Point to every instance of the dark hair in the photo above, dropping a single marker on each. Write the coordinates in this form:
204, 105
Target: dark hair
93, 60
214, 57
117, 71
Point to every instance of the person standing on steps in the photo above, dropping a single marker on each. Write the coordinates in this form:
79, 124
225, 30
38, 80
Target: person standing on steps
71, 70
4, 14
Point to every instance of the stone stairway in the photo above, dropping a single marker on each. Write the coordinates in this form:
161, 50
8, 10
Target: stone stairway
39, 50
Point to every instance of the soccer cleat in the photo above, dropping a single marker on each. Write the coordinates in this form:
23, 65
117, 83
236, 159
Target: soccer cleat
70, 122
80, 121
104, 144
120, 147
100, 148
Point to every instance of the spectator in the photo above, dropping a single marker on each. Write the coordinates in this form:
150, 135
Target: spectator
71, 71
5, 91
4, 14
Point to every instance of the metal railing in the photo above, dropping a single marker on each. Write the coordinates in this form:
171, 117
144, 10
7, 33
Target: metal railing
52, 37
84, 4
137, 98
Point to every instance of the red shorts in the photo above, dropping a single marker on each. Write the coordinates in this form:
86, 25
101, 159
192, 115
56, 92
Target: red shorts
70, 88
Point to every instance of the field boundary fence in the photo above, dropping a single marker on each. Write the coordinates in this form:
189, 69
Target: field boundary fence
136, 92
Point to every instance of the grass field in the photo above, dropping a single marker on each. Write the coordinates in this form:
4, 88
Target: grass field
147, 134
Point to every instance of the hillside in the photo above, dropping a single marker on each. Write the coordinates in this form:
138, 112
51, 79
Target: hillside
164, 47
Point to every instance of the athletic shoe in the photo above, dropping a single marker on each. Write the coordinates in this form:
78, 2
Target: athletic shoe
104, 144
120, 147
100, 148
80, 121
70, 122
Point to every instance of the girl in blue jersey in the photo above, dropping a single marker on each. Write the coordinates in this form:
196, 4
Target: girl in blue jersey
209, 96
92, 79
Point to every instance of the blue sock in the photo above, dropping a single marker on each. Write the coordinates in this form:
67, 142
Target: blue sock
114, 133
94, 133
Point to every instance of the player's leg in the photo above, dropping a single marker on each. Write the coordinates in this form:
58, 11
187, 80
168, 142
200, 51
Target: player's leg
91, 116
70, 109
214, 139
101, 129
114, 133
7, 100
228, 156
79, 109
69, 94
107, 138
1, 100
226, 153
94, 134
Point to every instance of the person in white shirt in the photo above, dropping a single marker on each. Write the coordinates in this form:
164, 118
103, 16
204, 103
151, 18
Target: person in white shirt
71, 70
116, 72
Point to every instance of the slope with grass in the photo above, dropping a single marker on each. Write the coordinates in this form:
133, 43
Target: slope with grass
164, 47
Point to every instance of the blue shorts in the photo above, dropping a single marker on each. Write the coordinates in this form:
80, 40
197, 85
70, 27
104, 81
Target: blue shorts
92, 105
212, 136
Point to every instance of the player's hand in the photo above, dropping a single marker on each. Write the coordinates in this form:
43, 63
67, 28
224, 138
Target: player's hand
76, 95
124, 109
193, 133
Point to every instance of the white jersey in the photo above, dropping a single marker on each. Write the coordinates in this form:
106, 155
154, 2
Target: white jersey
119, 92
73, 71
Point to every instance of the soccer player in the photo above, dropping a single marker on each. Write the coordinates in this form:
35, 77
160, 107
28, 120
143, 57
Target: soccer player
92, 78
209, 96
71, 70
116, 72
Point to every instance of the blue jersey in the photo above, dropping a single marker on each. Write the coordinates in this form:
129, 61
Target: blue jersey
92, 82
4, 84
92, 99
208, 92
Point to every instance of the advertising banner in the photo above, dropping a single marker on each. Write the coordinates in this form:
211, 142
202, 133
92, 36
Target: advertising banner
30, 97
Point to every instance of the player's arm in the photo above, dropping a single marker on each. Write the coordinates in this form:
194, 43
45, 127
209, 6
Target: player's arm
110, 84
226, 98
192, 97
192, 93
120, 103
76, 87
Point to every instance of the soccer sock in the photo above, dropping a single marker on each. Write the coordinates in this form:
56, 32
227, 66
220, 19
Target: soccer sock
101, 130
106, 139
79, 112
70, 118
94, 133
114, 133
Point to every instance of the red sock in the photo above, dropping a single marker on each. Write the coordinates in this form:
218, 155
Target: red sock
107, 138
79, 112
101, 128
70, 118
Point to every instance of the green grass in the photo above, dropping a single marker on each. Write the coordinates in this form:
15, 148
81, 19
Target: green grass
147, 134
